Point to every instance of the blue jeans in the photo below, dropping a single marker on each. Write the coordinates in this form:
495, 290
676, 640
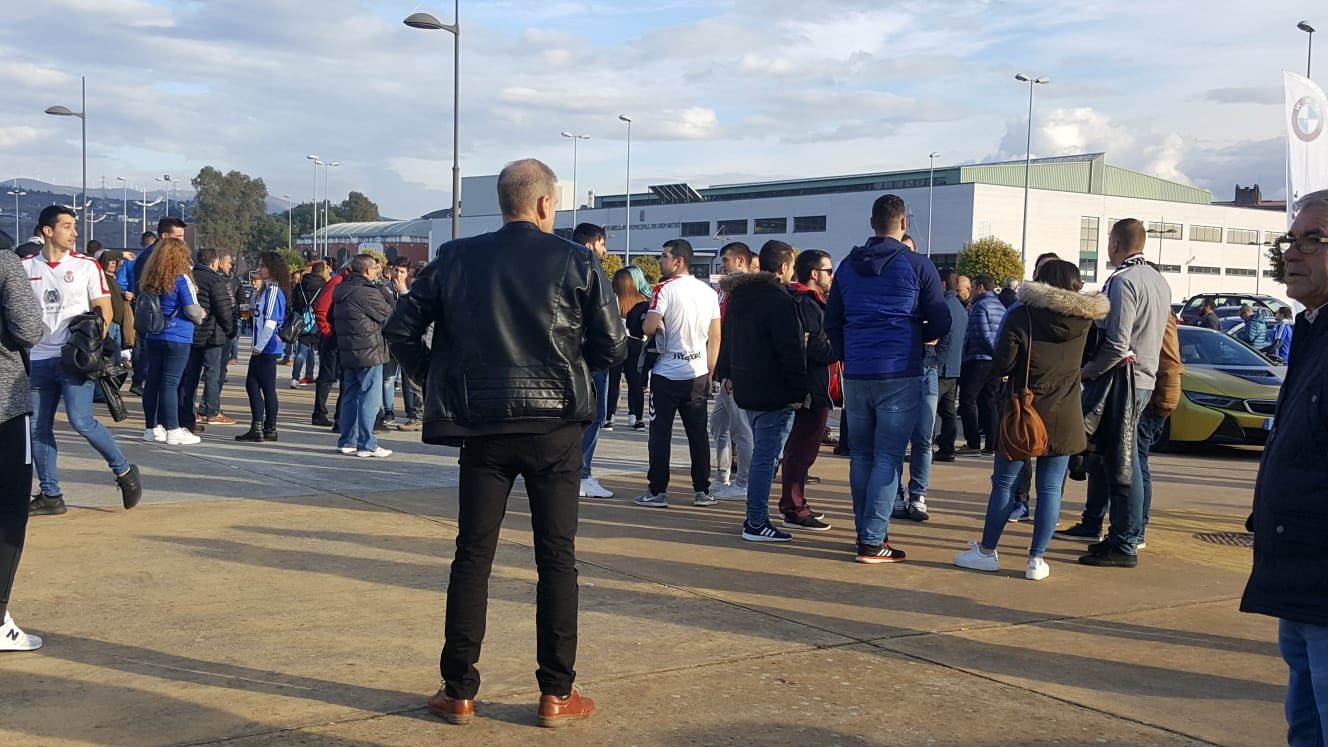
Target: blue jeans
304, 358
770, 429
882, 414
161, 390
919, 462
49, 385
1305, 649
600, 380
363, 395
1148, 433
1004, 478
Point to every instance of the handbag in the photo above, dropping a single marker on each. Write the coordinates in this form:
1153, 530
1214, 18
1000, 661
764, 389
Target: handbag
1022, 434
836, 384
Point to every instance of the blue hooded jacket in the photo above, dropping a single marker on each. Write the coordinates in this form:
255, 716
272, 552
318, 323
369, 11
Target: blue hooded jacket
885, 303
984, 324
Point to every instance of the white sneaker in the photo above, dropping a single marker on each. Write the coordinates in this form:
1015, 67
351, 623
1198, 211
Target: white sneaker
974, 560
294, 383
590, 488
12, 637
155, 435
1037, 569
379, 452
346, 449
730, 492
181, 437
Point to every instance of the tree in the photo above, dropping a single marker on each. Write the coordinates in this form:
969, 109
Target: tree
268, 234
357, 208
649, 267
990, 256
612, 263
293, 259
227, 207
1278, 266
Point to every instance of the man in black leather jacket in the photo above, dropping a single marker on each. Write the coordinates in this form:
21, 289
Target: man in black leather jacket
521, 317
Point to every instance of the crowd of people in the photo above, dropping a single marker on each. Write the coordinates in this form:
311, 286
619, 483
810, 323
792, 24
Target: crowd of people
523, 370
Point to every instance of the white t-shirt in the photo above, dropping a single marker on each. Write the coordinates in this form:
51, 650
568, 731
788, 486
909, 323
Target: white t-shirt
688, 306
63, 290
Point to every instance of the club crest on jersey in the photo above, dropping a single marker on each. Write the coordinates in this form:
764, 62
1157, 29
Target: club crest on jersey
69, 276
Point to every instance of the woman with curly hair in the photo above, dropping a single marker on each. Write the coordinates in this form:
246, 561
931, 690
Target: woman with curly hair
269, 313
168, 275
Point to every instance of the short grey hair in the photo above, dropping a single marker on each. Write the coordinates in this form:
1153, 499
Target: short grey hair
522, 183
361, 264
1313, 199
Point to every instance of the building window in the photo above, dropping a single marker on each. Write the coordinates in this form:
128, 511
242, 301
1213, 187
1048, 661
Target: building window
1212, 234
731, 228
1242, 236
1164, 230
770, 225
945, 261
566, 233
1241, 272
809, 224
698, 228
1169, 268
1270, 273
1270, 236
1203, 270
1088, 269
1089, 231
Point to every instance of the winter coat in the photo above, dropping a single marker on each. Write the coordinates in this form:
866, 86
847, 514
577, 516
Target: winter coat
358, 312
1289, 579
1053, 323
1166, 395
20, 329
1255, 332
820, 353
885, 303
761, 349
984, 324
216, 298
949, 351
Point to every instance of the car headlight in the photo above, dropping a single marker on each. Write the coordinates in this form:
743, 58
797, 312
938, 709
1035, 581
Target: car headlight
1215, 400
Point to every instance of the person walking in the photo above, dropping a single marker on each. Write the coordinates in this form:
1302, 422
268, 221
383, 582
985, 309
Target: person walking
1041, 348
269, 313
168, 278
509, 382
358, 313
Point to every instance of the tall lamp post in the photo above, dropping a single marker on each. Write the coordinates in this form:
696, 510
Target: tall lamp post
627, 247
1309, 51
314, 203
169, 195
1028, 155
429, 23
931, 189
145, 205
17, 193
63, 111
124, 217
327, 165
575, 196
290, 225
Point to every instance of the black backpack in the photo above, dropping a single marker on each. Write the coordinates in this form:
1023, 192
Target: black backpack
148, 316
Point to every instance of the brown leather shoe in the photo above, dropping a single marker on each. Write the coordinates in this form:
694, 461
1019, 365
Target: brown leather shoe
220, 419
452, 710
555, 711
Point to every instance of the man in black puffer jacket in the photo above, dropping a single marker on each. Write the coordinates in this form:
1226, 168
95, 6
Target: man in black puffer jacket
359, 309
212, 336
520, 318
763, 361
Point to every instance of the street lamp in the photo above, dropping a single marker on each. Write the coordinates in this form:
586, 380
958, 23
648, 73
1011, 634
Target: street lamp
575, 197
145, 205
64, 111
931, 189
314, 203
124, 207
327, 165
1309, 51
627, 247
429, 23
170, 195
290, 225
1028, 156
17, 193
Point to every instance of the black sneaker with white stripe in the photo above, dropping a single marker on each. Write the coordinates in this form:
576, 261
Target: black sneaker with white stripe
763, 533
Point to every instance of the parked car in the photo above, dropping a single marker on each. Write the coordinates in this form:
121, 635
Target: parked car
1175, 309
1189, 314
1229, 392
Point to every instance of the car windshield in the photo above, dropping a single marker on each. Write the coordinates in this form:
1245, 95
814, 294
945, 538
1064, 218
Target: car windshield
1199, 347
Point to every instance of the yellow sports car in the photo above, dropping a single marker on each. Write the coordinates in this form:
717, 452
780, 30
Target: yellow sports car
1229, 392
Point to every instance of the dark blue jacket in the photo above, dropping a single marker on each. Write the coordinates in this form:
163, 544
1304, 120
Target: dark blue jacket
884, 305
1290, 520
949, 352
984, 324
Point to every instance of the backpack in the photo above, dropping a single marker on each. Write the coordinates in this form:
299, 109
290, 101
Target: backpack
1022, 435
148, 316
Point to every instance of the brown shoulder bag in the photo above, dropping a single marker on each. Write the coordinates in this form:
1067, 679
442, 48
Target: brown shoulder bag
1022, 434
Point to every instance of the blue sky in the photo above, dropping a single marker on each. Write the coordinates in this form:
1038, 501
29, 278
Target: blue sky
719, 92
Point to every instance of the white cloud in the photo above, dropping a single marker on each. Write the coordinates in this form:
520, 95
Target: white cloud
14, 136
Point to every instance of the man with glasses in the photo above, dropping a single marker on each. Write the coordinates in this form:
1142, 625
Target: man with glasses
684, 320
1290, 516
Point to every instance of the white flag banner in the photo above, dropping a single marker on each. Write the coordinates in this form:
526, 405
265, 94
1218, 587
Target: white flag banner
1307, 143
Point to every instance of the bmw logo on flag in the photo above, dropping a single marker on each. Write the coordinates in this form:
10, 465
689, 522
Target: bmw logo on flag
1307, 119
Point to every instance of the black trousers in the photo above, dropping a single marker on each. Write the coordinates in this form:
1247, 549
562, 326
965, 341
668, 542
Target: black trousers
615, 391
261, 386
947, 412
978, 403
636, 380
551, 466
687, 399
16, 466
329, 373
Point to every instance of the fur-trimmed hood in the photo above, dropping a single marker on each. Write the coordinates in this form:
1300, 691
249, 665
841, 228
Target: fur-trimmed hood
735, 280
1069, 303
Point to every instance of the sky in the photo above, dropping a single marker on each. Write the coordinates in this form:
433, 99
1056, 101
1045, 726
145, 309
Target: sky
719, 91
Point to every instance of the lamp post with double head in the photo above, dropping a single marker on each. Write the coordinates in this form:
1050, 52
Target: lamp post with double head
429, 23
17, 193
314, 203
1309, 50
64, 111
576, 198
124, 206
627, 245
327, 205
931, 190
170, 196
1028, 155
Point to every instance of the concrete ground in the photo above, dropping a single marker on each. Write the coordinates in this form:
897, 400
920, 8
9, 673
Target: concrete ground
284, 594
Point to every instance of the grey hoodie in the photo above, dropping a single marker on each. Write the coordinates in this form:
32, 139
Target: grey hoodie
1140, 304
20, 329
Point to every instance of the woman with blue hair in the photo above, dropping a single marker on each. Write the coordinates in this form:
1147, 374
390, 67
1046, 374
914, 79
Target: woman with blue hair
633, 291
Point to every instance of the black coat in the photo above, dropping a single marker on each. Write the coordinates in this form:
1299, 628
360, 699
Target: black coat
1056, 323
1290, 521
520, 319
218, 300
761, 349
820, 353
358, 312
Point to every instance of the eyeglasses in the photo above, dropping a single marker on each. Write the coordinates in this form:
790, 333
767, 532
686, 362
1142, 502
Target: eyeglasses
826, 270
1306, 245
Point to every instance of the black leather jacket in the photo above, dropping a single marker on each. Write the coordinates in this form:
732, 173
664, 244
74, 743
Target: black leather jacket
520, 319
